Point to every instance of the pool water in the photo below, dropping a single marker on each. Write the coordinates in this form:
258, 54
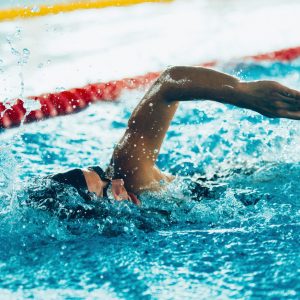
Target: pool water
171, 247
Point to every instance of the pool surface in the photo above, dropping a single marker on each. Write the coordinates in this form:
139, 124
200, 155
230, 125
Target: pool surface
171, 247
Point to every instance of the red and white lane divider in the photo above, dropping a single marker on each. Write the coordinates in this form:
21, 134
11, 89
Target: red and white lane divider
66, 102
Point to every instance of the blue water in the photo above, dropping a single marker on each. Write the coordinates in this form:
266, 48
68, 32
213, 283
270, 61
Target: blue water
171, 247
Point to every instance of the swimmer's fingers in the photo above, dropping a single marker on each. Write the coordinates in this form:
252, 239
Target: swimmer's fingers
120, 195
291, 93
118, 190
287, 94
295, 115
286, 99
287, 107
283, 102
271, 99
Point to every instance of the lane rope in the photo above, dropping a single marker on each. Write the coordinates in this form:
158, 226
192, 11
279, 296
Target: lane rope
43, 10
73, 100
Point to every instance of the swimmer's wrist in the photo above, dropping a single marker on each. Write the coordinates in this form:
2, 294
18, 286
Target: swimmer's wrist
240, 95
230, 92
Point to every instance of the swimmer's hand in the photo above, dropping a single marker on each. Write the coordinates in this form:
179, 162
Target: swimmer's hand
120, 194
270, 99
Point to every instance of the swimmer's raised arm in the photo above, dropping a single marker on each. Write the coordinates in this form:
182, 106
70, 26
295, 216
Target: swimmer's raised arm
137, 151
266, 97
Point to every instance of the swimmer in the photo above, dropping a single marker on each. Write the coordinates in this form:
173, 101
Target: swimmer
132, 169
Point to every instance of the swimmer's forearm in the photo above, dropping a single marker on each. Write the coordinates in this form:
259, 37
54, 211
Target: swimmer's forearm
189, 83
268, 98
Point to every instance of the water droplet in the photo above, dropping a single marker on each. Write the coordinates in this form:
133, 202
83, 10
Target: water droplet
60, 89
35, 9
15, 52
30, 105
26, 51
17, 34
25, 57
1, 66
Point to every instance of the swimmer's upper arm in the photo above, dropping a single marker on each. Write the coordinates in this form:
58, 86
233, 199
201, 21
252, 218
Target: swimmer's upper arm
151, 119
147, 127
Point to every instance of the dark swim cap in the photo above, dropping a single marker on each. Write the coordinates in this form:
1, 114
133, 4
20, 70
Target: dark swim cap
76, 179
65, 194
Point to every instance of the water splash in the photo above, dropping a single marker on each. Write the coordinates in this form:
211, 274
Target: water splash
22, 56
240, 156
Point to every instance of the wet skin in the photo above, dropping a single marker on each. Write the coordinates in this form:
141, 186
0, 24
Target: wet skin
135, 155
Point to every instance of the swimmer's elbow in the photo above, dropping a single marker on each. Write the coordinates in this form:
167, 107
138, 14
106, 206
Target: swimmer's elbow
173, 74
172, 83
